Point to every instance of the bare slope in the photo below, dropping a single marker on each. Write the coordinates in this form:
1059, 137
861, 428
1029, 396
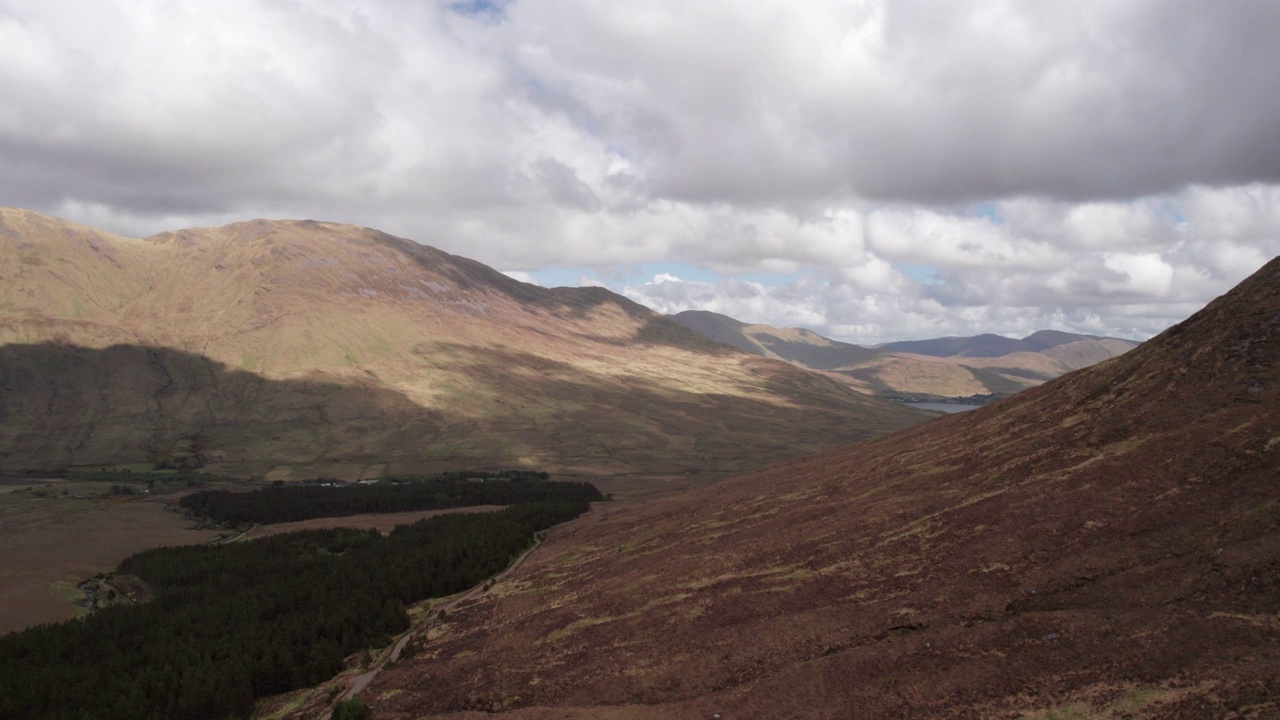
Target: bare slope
1105, 545
298, 347
943, 367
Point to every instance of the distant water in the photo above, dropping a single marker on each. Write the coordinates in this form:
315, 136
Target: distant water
944, 407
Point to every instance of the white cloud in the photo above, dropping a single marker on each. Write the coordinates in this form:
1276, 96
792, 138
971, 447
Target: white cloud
523, 277
990, 276
927, 236
1145, 273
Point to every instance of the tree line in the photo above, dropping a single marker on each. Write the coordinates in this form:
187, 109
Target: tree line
303, 501
232, 623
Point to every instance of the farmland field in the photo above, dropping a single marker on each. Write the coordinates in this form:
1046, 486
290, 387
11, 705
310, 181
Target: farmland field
382, 522
53, 540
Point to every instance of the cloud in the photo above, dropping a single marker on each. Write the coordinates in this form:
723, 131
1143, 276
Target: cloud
523, 277
908, 168
846, 312
916, 102
927, 273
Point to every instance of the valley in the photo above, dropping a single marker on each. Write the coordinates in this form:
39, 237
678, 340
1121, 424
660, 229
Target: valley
517, 360
782, 539
982, 368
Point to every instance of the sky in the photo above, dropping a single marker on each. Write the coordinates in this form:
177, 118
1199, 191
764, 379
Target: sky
872, 170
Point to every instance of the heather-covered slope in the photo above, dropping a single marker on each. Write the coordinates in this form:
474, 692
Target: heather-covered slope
1106, 545
298, 347
940, 368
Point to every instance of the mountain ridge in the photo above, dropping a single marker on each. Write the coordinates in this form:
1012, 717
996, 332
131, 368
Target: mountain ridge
353, 335
940, 368
991, 345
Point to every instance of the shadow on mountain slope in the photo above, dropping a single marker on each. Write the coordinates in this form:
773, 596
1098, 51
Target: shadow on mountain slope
64, 405
561, 408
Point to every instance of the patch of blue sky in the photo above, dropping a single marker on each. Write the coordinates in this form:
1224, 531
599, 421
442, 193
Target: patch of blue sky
645, 272
488, 9
1168, 210
987, 210
920, 272
618, 277
561, 275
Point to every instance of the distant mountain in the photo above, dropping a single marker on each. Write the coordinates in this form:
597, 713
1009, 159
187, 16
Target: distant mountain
795, 345
296, 348
989, 346
1105, 545
985, 345
949, 367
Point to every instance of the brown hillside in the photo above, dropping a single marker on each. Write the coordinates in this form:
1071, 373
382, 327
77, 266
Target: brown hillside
1106, 545
1083, 353
299, 347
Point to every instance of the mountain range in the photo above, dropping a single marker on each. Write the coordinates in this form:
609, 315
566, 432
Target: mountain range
941, 368
300, 348
1104, 545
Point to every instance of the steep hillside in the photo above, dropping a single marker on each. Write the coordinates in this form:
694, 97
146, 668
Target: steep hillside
948, 367
1083, 353
1106, 545
298, 347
